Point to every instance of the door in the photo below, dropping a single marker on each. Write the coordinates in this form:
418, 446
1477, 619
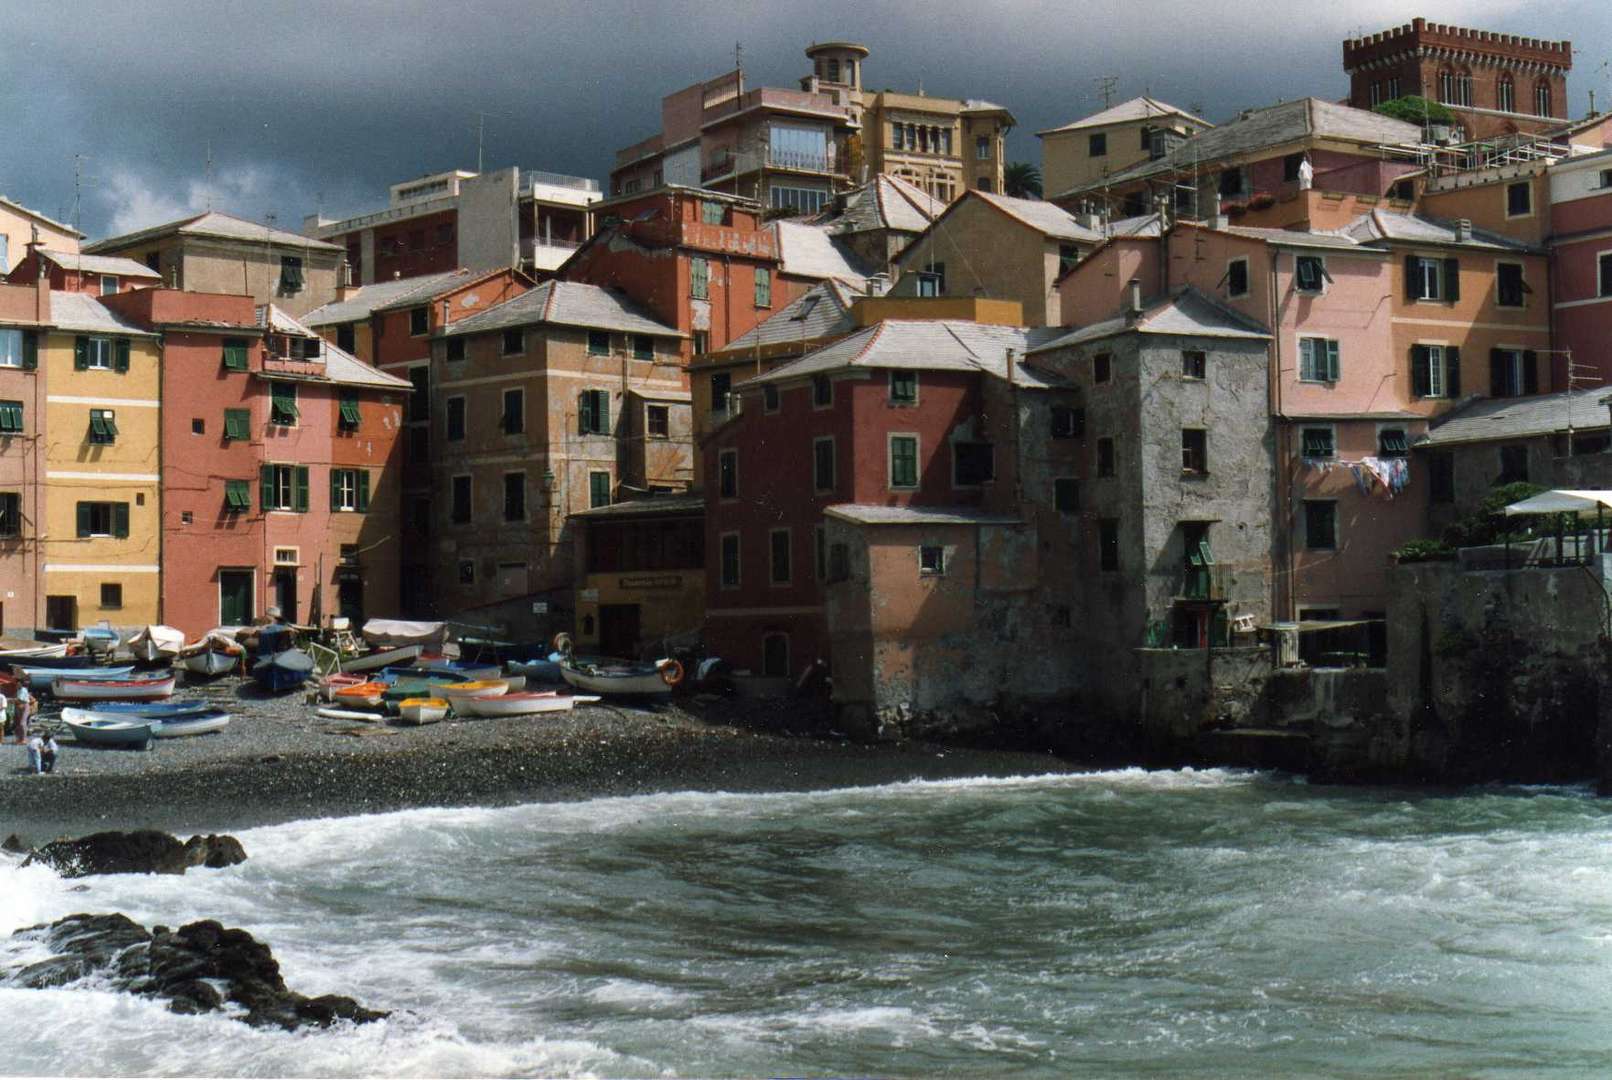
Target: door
61, 613
618, 629
285, 593
775, 655
350, 598
235, 606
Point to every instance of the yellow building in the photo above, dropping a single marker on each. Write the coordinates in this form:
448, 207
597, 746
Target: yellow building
102, 548
1082, 152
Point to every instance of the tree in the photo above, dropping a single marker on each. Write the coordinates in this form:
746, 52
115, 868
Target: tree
1416, 110
1022, 180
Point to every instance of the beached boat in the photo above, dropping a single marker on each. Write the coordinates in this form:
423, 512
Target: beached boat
468, 669
167, 726
620, 677
145, 710
330, 712
422, 710
364, 693
155, 643
60, 663
214, 654
124, 688
129, 734
284, 670
202, 723
538, 671
45, 678
457, 692
33, 652
380, 658
524, 704
388, 633
402, 689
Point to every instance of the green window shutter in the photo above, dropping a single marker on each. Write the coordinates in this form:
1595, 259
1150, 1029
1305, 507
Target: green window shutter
30, 350
10, 417
1452, 371
266, 486
363, 490
1413, 277
1419, 380
1452, 279
602, 407
237, 424
83, 519
237, 495
120, 520
350, 416
301, 490
335, 489
1332, 361
763, 287
121, 354
585, 412
699, 278
81, 353
235, 354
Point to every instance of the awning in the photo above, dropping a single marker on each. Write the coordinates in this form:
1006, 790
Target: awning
1561, 502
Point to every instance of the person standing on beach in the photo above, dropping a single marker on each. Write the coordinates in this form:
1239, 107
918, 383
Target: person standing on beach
24, 707
5, 715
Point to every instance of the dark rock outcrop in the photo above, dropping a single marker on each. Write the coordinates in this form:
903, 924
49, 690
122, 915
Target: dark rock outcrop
201, 967
145, 851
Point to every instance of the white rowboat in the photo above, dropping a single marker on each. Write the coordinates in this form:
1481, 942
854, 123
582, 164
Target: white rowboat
422, 710
636, 679
156, 643
540, 701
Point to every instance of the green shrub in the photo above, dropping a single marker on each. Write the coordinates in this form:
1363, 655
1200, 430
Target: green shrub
1416, 110
1424, 551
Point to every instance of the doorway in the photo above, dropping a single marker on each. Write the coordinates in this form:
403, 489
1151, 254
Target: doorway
61, 613
235, 607
350, 598
618, 629
285, 593
775, 655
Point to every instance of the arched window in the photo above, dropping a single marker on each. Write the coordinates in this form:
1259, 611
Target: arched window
1463, 87
1506, 93
1446, 86
1542, 98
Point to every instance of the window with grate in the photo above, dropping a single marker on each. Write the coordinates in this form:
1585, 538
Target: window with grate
1317, 442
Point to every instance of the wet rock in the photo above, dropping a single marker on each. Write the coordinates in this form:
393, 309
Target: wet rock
145, 851
201, 967
14, 845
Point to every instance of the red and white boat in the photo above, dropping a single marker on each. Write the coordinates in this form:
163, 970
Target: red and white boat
128, 688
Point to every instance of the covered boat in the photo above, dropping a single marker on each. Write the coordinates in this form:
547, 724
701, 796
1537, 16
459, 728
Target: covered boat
33, 652
44, 678
621, 677
129, 734
422, 710
388, 633
155, 643
523, 704
121, 688
215, 654
284, 670
379, 658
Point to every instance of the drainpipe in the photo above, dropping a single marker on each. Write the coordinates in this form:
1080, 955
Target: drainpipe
1281, 490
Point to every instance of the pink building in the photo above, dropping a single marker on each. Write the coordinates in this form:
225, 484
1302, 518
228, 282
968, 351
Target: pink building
1581, 263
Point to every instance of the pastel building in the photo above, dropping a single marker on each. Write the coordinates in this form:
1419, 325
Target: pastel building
24, 327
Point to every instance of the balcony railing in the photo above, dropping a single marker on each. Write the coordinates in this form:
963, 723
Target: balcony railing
726, 162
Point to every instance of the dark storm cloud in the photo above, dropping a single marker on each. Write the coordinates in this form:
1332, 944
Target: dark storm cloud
306, 106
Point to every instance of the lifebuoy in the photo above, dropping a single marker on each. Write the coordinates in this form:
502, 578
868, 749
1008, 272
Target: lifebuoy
671, 672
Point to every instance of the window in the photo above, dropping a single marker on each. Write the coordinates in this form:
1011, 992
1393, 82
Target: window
1233, 183
903, 461
1108, 543
237, 496
1066, 495
455, 350
982, 148
763, 287
349, 490
103, 426
1391, 442
820, 552
769, 398
111, 591
973, 464
1310, 273
931, 560
598, 343
19, 349
1510, 287
10, 514
1542, 99
467, 572
1068, 256
822, 391
513, 420
1432, 279
730, 560
235, 355
1067, 422
598, 489
348, 415
1606, 179
514, 343
103, 519
1194, 363
1519, 199
657, 421
778, 549
1320, 524
1316, 442
711, 212
1102, 367
101, 354
1604, 274
347, 340
1318, 360
1393, 87
903, 387
455, 419
1435, 371
1513, 465
699, 278
1292, 163
839, 562
283, 404
643, 347
237, 424
932, 280
1195, 451
459, 505
1105, 457
594, 412
419, 321
823, 472
1446, 86
290, 274
721, 387
1237, 278
1097, 145
420, 397
283, 487
1513, 372
1505, 98
727, 474
10, 418
515, 496
1441, 476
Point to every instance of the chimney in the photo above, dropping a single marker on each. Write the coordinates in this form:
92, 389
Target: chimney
878, 284
1463, 230
41, 296
344, 280
1133, 306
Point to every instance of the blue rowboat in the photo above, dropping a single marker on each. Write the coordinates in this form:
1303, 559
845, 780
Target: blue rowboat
149, 710
285, 670
127, 734
82, 660
45, 678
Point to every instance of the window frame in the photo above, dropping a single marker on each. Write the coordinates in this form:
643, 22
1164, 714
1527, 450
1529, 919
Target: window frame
450, 414
1097, 144
283, 410
594, 346
420, 321
1194, 370
1248, 281
504, 418
1331, 433
594, 491
524, 514
103, 427
727, 475
1603, 274
1527, 187
1334, 542
664, 412
818, 488
724, 581
13, 418
1522, 284
932, 567
511, 334
1330, 369
1383, 449
773, 580
643, 346
1102, 368
1321, 275
819, 400
890, 460
771, 399
595, 418
1200, 451
905, 402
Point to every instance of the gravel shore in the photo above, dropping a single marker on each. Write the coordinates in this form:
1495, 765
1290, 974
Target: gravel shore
278, 761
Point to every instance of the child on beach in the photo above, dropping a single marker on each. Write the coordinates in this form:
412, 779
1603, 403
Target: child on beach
47, 754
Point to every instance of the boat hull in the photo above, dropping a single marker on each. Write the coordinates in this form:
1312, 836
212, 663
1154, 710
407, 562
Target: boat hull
125, 734
422, 710
210, 663
146, 710
482, 689
285, 670
197, 724
516, 704
628, 683
374, 661
45, 678
130, 689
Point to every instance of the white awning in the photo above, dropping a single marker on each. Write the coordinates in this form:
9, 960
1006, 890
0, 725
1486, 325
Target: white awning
1561, 502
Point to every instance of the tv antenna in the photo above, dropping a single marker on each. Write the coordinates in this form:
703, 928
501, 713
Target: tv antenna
1103, 87
79, 181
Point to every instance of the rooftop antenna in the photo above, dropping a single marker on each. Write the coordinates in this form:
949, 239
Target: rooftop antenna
1104, 88
79, 180
208, 173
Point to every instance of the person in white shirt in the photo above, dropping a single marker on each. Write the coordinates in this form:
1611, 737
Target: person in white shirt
24, 711
36, 751
47, 754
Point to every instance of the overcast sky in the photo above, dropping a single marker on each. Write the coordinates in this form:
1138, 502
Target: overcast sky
307, 105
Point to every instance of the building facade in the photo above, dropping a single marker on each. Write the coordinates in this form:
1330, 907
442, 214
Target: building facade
1083, 152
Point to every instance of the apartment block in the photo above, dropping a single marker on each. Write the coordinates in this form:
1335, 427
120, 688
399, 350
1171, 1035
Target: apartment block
1086, 151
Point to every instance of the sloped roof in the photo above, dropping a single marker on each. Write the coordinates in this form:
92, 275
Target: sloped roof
1274, 125
217, 224
1046, 218
1386, 225
1186, 312
917, 344
566, 303
81, 311
1138, 108
369, 299
809, 251
1485, 419
886, 202
1142, 225
1307, 238
652, 506
340, 367
99, 264
821, 312
52, 222
872, 514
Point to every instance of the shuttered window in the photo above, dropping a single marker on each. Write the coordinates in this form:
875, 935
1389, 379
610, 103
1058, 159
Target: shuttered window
593, 411
10, 417
699, 278
237, 496
103, 426
283, 404
235, 356
349, 490
1318, 360
350, 416
238, 424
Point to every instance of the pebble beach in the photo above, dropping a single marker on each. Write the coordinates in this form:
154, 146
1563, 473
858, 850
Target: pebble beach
279, 761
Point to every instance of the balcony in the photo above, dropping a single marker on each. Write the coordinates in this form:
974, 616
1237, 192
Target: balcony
546, 254
728, 163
